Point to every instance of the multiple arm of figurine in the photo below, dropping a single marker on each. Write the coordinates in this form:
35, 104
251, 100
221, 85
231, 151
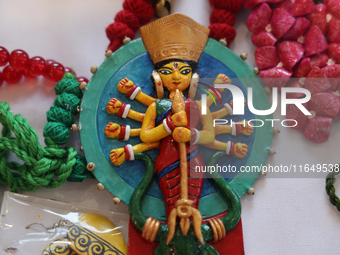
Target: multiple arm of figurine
151, 134
238, 150
132, 91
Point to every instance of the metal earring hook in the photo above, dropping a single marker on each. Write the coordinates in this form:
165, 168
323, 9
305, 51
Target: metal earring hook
163, 7
61, 223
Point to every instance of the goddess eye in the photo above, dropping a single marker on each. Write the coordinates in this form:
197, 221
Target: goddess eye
186, 71
165, 72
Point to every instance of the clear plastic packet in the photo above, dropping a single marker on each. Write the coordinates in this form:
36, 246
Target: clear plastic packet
30, 225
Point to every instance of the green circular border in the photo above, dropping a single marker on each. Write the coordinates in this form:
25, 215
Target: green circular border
115, 184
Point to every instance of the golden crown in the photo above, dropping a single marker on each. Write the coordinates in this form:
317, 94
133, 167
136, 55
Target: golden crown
174, 37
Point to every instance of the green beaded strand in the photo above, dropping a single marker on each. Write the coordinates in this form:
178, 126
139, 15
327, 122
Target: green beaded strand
57, 131
57, 114
80, 172
68, 102
69, 86
59, 117
69, 76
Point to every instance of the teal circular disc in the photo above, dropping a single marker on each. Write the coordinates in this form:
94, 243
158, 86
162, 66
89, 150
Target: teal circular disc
132, 61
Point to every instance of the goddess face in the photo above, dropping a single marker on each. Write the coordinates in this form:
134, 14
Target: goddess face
176, 75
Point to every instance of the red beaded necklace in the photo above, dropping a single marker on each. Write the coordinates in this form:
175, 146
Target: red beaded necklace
19, 64
134, 14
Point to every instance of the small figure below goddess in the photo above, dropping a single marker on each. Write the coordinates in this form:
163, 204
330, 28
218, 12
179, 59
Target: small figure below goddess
171, 123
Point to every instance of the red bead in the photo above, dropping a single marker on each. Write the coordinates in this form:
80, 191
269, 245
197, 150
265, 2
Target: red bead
54, 71
1, 79
27, 74
81, 79
37, 66
11, 76
4, 56
49, 61
70, 70
18, 59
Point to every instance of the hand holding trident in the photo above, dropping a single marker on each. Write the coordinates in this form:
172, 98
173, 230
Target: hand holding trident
183, 207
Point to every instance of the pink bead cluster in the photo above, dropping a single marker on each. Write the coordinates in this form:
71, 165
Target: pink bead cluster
299, 39
20, 64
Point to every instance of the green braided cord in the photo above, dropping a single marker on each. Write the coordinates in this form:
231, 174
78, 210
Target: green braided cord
57, 114
330, 189
69, 86
42, 167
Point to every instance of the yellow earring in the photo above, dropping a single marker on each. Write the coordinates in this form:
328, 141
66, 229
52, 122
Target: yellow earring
159, 84
193, 85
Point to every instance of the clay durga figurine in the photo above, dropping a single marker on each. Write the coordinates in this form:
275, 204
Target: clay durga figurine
171, 123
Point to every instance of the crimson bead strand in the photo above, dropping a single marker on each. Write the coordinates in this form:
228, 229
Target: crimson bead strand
18, 64
134, 14
139, 12
222, 19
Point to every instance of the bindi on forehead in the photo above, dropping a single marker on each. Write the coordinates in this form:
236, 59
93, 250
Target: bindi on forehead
175, 66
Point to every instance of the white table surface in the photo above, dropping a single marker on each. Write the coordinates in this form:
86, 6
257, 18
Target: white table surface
286, 216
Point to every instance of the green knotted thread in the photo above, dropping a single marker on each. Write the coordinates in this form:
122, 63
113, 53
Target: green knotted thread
47, 167
69, 86
68, 102
69, 76
57, 131
79, 172
57, 114
330, 189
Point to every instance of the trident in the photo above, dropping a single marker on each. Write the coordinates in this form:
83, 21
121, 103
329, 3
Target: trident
183, 207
